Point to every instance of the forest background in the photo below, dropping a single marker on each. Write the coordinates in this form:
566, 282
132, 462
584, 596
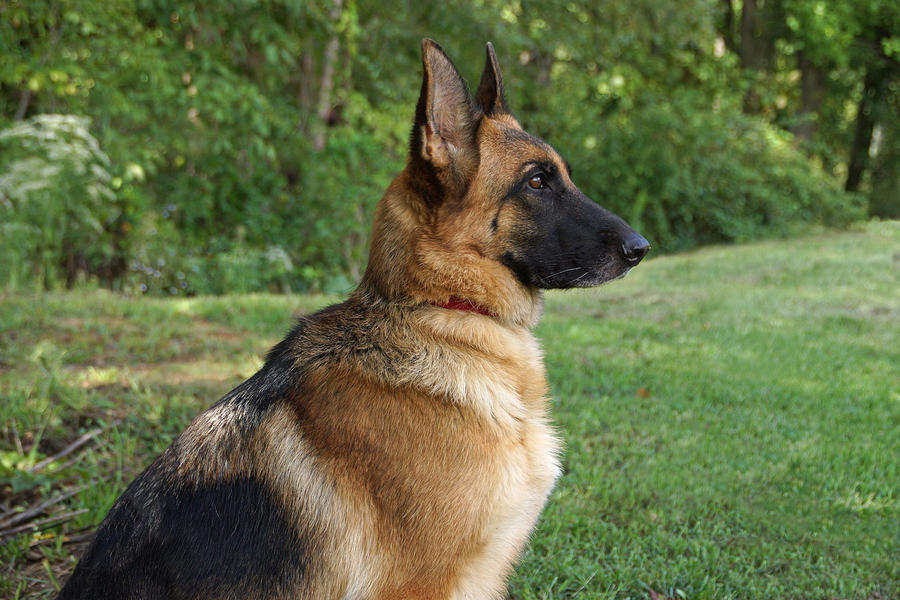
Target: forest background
212, 147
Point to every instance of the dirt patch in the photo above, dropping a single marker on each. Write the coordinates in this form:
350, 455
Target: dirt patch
192, 372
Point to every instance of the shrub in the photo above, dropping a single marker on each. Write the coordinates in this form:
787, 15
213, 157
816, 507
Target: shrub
58, 209
686, 175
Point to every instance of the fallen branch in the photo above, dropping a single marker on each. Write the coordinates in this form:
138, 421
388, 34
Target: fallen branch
9, 520
43, 523
67, 539
81, 441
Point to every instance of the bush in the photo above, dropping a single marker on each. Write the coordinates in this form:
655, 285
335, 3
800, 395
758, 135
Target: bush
58, 209
685, 175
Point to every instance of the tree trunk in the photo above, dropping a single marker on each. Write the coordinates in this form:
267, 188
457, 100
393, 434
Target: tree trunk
752, 52
329, 58
24, 101
306, 89
728, 25
812, 94
862, 138
884, 199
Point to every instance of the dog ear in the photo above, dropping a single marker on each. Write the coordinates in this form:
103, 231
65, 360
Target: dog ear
445, 118
490, 96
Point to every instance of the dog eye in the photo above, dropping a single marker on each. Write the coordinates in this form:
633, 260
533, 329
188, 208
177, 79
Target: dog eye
537, 182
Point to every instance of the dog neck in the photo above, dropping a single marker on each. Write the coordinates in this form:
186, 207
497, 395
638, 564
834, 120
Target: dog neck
411, 263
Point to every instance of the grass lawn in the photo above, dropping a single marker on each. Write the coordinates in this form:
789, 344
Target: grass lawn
731, 417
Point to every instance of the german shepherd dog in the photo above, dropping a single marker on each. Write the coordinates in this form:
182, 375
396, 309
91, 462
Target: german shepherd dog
397, 445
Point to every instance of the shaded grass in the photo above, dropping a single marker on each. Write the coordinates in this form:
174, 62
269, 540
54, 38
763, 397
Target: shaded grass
731, 418
139, 368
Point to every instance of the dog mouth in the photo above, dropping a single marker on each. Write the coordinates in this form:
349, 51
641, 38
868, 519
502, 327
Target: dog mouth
577, 270
622, 274
582, 277
600, 277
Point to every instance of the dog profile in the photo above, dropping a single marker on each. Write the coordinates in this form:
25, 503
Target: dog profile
397, 445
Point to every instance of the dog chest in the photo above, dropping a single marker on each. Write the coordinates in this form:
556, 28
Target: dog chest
526, 478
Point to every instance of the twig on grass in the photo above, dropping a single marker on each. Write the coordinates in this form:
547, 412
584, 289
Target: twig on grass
81, 441
42, 523
67, 539
8, 520
16, 438
585, 584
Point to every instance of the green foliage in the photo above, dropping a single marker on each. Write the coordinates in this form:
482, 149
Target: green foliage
828, 67
57, 203
241, 131
685, 175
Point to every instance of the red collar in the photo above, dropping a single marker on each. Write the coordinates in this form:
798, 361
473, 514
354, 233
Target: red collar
461, 304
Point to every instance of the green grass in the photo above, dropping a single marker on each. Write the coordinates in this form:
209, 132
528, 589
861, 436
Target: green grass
731, 418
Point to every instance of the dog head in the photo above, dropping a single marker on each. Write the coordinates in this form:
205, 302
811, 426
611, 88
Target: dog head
485, 211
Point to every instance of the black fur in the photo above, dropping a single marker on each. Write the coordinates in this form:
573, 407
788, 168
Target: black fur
164, 539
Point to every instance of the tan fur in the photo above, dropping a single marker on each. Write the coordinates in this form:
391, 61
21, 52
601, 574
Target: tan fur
422, 477
437, 463
431, 471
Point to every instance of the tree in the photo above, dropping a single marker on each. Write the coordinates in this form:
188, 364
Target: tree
845, 53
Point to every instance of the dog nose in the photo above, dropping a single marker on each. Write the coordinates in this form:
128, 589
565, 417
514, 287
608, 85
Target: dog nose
635, 248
